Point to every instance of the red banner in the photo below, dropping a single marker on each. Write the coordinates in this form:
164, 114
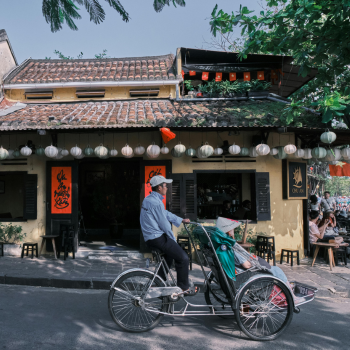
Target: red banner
205, 75
233, 76
61, 190
218, 76
261, 75
340, 169
150, 171
246, 76
192, 72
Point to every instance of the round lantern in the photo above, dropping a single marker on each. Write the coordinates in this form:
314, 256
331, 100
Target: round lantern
328, 137
180, 148
153, 151
307, 153
190, 152
199, 153
218, 151
207, 150
345, 152
273, 151
252, 152
235, 149
10, 156
101, 151
40, 151
176, 154
127, 151
16, 153
64, 152
26, 151
281, 153
75, 151
341, 126
262, 149
3, 153
139, 150
332, 156
59, 154
290, 149
244, 152
88, 151
319, 152
299, 153
164, 150
114, 152
51, 151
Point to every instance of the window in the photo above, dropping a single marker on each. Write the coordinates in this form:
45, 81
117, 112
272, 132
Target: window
18, 196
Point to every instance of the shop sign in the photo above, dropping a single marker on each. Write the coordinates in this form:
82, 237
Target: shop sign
294, 179
150, 171
61, 190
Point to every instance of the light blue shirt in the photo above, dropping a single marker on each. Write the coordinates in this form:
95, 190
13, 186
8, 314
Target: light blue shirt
155, 220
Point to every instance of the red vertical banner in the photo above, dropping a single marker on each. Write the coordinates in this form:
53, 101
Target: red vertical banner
218, 76
192, 72
61, 190
261, 75
205, 75
183, 74
150, 171
246, 76
233, 76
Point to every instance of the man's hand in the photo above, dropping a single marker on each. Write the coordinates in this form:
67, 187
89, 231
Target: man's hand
186, 221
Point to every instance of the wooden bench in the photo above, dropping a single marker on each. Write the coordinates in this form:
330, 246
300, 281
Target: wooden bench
330, 247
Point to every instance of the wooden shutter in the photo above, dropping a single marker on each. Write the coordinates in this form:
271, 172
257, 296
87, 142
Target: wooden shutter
262, 185
175, 206
30, 196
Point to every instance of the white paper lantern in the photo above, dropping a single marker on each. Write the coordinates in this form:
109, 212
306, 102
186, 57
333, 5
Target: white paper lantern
88, 151
190, 152
218, 151
252, 152
101, 151
26, 151
3, 153
114, 152
153, 151
179, 149
307, 153
207, 150
290, 149
341, 126
59, 154
345, 152
139, 150
75, 151
328, 137
164, 150
199, 153
332, 156
131, 155
273, 151
234, 149
299, 153
64, 152
262, 149
127, 151
51, 151
10, 154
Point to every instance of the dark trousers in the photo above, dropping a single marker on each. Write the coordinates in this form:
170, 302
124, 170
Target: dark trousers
172, 252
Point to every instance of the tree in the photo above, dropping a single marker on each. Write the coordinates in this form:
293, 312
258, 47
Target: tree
314, 33
57, 12
61, 56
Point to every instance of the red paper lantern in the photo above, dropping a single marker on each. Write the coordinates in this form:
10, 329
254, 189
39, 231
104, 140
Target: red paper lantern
218, 76
246, 76
192, 72
232, 76
205, 75
167, 135
261, 75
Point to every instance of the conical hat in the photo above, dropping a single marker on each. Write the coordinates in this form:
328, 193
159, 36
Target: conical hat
226, 225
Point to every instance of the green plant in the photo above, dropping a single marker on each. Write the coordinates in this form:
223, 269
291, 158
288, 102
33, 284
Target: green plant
11, 233
251, 236
259, 85
225, 87
238, 87
188, 84
213, 87
203, 88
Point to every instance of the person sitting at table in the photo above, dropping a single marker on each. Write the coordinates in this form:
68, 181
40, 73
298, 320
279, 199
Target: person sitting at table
331, 229
316, 233
227, 211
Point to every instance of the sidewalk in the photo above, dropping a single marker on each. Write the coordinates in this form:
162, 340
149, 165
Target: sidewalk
83, 273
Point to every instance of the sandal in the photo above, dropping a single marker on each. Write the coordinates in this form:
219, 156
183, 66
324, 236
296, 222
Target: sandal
193, 290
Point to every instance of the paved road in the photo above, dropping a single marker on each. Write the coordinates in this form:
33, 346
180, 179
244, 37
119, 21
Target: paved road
48, 318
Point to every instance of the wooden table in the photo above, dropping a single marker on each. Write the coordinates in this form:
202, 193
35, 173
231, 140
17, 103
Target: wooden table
330, 247
52, 237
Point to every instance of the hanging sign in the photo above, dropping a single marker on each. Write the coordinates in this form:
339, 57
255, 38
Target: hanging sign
233, 76
192, 72
294, 179
150, 171
246, 76
218, 76
205, 75
61, 190
260, 75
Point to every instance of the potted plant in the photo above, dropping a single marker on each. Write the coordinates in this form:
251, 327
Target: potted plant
238, 89
259, 88
190, 88
225, 88
213, 88
11, 235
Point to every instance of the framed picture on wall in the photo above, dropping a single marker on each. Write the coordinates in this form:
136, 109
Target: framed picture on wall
2, 187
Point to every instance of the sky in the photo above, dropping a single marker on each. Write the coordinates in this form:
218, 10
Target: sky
147, 34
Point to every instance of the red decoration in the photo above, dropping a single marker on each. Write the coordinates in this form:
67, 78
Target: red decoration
261, 75
192, 72
205, 75
233, 76
274, 76
199, 94
343, 169
151, 171
61, 190
246, 76
183, 74
167, 135
218, 76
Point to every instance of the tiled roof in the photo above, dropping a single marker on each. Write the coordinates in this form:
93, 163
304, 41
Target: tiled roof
143, 113
89, 70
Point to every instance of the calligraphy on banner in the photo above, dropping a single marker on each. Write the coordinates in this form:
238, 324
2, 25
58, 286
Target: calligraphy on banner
61, 190
150, 171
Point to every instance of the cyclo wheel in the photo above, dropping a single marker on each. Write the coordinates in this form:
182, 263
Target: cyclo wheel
128, 312
264, 309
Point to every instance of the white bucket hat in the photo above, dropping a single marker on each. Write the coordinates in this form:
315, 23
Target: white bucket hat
226, 225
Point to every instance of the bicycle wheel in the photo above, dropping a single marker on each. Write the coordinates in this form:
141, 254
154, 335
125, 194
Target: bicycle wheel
214, 295
126, 307
265, 309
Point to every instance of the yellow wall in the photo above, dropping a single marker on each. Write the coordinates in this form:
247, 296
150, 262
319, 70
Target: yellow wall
286, 215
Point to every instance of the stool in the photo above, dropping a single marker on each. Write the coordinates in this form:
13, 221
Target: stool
290, 254
265, 248
2, 248
184, 243
340, 254
68, 236
52, 237
29, 247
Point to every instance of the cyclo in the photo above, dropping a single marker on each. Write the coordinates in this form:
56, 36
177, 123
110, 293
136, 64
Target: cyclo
263, 305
